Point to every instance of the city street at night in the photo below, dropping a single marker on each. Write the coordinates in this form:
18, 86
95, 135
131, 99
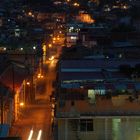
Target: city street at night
69, 69
35, 121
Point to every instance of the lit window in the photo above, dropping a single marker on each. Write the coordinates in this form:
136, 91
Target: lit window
71, 28
91, 96
137, 126
73, 37
86, 125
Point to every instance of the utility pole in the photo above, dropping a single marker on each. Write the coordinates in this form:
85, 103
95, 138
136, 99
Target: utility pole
13, 77
1, 108
66, 22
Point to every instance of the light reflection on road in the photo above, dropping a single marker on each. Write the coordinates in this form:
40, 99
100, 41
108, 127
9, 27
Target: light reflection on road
30, 134
39, 135
35, 135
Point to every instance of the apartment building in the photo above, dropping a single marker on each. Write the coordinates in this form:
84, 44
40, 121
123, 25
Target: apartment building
97, 101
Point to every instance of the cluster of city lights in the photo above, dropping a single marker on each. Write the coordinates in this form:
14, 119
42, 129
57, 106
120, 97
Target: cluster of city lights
40, 76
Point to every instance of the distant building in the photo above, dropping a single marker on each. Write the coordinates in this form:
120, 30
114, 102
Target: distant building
72, 34
92, 36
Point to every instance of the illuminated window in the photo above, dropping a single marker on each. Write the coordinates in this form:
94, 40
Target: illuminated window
86, 125
73, 37
138, 126
100, 91
116, 126
91, 96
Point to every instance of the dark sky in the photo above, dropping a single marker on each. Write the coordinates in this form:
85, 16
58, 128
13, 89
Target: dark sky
38, 1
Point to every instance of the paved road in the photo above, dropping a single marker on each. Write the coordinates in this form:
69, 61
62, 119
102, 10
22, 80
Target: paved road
36, 119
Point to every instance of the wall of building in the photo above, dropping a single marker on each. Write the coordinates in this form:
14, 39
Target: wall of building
103, 129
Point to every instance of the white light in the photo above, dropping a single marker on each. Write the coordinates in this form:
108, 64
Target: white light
73, 37
34, 47
4, 49
39, 134
21, 49
30, 135
71, 28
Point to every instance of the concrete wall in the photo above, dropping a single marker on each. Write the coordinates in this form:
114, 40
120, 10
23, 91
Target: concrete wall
104, 129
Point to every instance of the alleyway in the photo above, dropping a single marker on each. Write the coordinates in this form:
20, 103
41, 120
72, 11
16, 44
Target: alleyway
36, 119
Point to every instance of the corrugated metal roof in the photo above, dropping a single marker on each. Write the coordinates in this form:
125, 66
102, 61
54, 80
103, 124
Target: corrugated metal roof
81, 75
96, 63
106, 86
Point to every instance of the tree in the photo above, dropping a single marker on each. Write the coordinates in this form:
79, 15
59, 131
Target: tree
137, 69
126, 69
123, 28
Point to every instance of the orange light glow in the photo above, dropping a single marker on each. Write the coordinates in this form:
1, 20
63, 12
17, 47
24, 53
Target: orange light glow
28, 83
39, 76
30, 13
54, 38
50, 45
51, 58
76, 4
85, 18
21, 104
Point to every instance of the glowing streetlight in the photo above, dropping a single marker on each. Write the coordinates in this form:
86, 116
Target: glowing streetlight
39, 76
28, 83
76, 4
21, 104
58, 38
30, 13
4, 49
34, 48
50, 45
54, 38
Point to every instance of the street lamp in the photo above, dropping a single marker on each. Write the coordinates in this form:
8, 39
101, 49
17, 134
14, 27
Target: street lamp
28, 83
21, 104
34, 47
39, 76
50, 45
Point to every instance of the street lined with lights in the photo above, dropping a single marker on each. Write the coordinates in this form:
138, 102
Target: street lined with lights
39, 115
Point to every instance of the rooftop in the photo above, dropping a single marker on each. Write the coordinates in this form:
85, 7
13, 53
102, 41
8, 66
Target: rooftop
96, 63
115, 106
92, 75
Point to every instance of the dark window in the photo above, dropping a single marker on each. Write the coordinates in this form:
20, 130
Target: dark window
86, 125
72, 103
